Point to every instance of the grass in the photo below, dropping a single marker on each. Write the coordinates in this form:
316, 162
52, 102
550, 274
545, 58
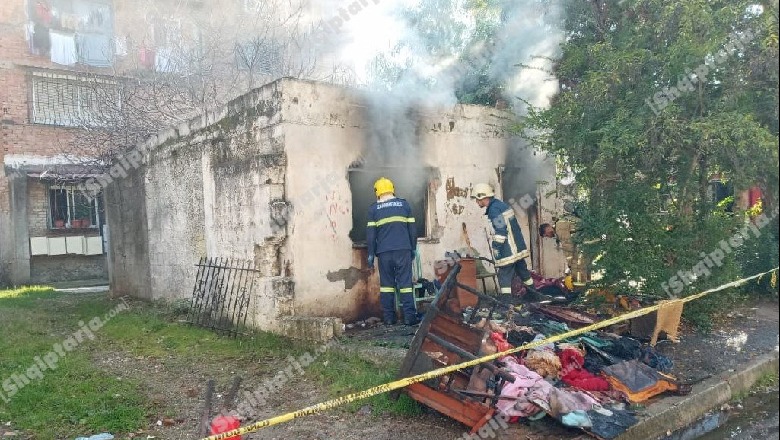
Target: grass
767, 381
77, 397
765, 384
24, 292
69, 396
348, 374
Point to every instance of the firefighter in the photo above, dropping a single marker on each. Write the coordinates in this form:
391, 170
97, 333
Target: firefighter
508, 245
391, 236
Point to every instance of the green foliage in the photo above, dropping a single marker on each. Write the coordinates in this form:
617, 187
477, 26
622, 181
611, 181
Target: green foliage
645, 168
761, 254
446, 40
348, 374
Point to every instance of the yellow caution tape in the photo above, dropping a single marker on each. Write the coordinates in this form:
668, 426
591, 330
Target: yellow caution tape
401, 383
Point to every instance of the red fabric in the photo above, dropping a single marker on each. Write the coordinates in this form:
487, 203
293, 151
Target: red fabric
223, 424
501, 343
754, 195
43, 12
574, 375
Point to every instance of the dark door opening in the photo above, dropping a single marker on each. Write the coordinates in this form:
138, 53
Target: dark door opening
410, 184
515, 186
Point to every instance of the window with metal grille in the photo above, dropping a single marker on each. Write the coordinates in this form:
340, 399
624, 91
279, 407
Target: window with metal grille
72, 101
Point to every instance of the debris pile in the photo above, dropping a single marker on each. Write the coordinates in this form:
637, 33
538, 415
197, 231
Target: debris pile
589, 382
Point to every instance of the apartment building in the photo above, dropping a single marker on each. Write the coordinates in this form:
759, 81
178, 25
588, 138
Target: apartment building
79, 78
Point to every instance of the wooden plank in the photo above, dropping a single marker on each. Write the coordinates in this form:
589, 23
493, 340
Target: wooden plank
470, 413
425, 326
466, 337
470, 357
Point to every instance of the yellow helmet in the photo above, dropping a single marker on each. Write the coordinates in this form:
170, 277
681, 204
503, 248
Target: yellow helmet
482, 190
382, 186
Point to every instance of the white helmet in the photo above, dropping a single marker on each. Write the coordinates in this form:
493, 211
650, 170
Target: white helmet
482, 190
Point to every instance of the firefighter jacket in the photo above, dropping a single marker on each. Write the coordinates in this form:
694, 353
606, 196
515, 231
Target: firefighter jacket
508, 243
390, 227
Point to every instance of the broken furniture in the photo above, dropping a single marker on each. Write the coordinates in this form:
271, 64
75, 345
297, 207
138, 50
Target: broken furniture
467, 278
483, 274
421, 297
444, 339
666, 321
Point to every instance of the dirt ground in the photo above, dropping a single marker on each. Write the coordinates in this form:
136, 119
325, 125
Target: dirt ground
743, 334
177, 388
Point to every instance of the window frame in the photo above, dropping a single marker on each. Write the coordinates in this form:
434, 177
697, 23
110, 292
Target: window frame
426, 209
74, 114
71, 191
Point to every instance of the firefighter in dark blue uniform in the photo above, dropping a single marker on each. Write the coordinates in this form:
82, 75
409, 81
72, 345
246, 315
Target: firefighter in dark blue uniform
508, 246
391, 235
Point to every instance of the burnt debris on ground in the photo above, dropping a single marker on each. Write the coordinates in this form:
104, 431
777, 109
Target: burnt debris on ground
594, 382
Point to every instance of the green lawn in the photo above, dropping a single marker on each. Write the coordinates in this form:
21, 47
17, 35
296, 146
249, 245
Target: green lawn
76, 397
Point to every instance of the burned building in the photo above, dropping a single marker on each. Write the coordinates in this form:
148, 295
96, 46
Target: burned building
283, 176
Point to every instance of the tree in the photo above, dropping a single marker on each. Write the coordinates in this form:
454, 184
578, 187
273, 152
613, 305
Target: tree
202, 58
655, 98
471, 50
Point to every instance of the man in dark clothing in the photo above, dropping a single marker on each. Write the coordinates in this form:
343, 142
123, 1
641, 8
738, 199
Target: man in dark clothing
391, 235
508, 246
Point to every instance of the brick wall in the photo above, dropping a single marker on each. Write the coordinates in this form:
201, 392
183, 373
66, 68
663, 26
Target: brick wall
37, 209
18, 135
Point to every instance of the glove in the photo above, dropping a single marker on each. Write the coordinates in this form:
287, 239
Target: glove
370, 261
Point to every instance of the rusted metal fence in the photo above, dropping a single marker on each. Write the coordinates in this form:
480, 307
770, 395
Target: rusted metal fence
220, 298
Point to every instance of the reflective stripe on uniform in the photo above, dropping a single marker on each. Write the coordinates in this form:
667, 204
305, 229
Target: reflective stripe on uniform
506, 290
393, 219
499, 238
371, 225
529, 282
508, 216
387, 289
512, 258
406, 290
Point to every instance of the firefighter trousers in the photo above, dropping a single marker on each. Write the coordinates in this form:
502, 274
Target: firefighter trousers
507, 273
395, 274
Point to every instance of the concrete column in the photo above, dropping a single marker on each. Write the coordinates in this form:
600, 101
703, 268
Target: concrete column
20, 236
6, 238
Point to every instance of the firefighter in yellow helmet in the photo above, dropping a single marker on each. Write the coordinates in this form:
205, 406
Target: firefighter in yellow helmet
391, 235
508, 246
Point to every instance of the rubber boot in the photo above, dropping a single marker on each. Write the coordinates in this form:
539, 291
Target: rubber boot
409, 309
387, 300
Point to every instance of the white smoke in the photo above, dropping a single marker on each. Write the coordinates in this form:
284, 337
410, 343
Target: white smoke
435, 58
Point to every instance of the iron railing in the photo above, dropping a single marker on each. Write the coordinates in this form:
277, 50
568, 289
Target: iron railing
220, 298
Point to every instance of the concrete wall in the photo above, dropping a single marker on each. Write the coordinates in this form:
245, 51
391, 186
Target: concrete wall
210, 187
266, 178
52, 269
128, 247
6, 236
174, 217
325, 132
15, 247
